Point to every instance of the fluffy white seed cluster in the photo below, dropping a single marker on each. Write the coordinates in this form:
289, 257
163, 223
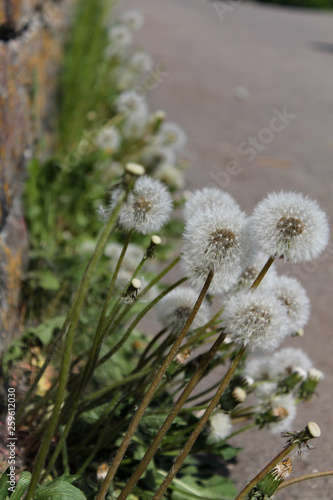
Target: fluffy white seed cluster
147, 208
251, 270
294, 298
133, 19
259, 368
172, 135
284, 408
208, 197
289, 360
108, 139
174, 309
220, 426
213, 240
120, 37
257, 320
290, 226
141, 61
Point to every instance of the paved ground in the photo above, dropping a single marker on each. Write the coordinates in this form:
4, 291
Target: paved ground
284, 58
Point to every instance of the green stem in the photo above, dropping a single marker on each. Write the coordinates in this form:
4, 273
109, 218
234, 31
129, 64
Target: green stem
306, 477
199, 427
171, 416
151, 391
121, 342
262, 273
63, 376
297, 439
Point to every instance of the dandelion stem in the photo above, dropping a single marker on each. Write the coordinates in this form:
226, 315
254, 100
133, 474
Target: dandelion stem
139, 317
171, 416
64, 371
296, 480
262, 273
151, 391
302, 436
199, 427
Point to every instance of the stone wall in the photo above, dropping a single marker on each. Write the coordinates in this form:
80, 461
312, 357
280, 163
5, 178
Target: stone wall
31, 33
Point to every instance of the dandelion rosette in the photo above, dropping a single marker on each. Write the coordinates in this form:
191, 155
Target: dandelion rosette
213, 240
290, 226
207, 197
147, 208
174, 309
257, 319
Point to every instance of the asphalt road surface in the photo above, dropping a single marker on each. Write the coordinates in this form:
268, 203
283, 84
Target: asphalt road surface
253, 87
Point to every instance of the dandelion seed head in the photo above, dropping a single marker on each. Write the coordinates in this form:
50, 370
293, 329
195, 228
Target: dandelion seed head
290, 226
120, 37
284, 408
259, 368
141, 61
171, 134
251, 271
220, 426
208, 197
108, 139
133, 19
147, 208
289, 360
255, 319
213, 240
171, 175
294, 298
174, 309
266, 390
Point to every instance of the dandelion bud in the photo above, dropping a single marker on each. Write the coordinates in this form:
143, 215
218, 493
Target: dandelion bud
256, 319
148, 205
132, 292
290, 226
213, 240
308, 387
231, 399
267, 486
154, 242
135, 169
156, 119
174, 309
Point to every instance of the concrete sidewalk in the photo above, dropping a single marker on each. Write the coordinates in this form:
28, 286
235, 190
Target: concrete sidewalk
277, 135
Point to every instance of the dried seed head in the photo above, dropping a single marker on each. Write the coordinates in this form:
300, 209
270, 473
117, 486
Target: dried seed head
174, 309
290, 226
147, 208
208, 197
255, 319
214, 240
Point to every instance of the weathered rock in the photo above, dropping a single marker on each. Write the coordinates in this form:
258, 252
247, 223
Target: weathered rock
31, 33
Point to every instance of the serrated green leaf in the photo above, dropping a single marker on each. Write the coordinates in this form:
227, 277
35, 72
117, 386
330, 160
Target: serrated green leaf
21, 486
